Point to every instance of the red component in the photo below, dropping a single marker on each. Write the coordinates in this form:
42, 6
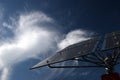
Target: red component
112, 76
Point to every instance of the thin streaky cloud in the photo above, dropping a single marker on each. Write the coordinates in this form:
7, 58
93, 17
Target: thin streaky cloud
73, 37
30, 39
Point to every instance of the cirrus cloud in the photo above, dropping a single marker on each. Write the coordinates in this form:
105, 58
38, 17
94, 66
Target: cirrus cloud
74, 36
30, 38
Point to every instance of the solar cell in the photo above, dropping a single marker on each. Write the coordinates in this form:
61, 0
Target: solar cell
70, 52
112, 40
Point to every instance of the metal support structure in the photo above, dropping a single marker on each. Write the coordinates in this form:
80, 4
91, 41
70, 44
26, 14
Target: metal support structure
101, 61
74, 66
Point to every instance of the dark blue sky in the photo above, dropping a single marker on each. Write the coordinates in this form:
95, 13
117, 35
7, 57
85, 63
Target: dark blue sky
99, 16
86, 14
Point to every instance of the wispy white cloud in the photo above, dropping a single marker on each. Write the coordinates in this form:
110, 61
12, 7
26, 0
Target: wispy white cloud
30, 39
74, 37
7, 25
5, 74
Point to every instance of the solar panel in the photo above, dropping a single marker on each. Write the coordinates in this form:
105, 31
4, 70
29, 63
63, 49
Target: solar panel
70, 52
112, 40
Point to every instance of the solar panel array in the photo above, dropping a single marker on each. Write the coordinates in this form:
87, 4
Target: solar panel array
112, 40
70, 52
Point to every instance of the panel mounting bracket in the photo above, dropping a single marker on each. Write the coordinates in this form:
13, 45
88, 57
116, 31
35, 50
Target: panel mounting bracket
51, 66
